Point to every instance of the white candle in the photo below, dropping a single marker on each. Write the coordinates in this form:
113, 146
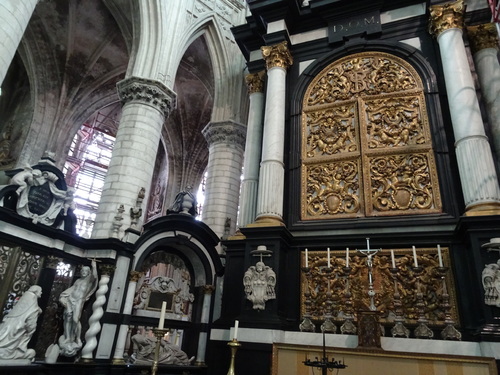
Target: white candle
162, 315
392, 259
307, 260
347, 257
236, 325
415, 256
328, 256
440, 256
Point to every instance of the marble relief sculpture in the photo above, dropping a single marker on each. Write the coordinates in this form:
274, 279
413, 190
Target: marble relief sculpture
18, 326
259, 282
73, 300
491, 284
144, 350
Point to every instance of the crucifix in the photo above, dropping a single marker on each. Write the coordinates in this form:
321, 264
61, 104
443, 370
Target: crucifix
369, 262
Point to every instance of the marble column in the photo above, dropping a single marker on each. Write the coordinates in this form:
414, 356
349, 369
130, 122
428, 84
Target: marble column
205, 318
484, 45
146, 104
226, 141
272, 172
14, 17
127, 310
253, 149
475, 160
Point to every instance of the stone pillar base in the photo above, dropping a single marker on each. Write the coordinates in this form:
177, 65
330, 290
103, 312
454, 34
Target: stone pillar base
267, 221
483, 209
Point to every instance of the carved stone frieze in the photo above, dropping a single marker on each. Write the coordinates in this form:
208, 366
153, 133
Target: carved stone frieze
277, 55
225, 132
147, 91
446, 16
483, 36
366, 143
255, 82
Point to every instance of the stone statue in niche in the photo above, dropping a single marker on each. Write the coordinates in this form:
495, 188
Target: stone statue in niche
18, 326
259, 282
73, 299
144, 350
491, 284
184, 203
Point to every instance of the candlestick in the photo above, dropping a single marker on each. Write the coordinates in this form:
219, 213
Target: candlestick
415, 257
440, 256
347, 257
328, 256
307, 260
236, 325
162, 315
392, 259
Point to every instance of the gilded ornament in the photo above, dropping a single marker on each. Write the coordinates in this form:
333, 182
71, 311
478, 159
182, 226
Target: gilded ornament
255, 82
446, 16
483, 36
277, 56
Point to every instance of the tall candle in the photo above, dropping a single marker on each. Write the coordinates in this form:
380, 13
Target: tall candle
415, 256
162, 315
236, 325
307, 260
328, 256
392, 259
347, 257
440, 256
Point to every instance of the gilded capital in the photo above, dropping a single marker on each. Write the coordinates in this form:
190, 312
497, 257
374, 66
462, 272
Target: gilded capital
208, 289
446, 16
483, 36
277, 56
255, 82
135, 276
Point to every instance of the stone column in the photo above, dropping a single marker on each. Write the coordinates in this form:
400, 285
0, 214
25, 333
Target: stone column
253, 149
484, 45
272, 172
14, 18
127, 310
226, 141
475, 161
205, 317
146, 104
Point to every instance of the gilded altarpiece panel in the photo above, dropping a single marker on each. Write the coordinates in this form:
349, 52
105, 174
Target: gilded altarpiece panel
366, 144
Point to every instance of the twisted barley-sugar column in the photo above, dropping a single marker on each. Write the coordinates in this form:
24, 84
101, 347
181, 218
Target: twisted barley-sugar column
253, 149
484, 45
272, 173
475, 161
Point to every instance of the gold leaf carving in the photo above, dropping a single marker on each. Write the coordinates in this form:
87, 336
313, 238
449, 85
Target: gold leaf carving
446, 16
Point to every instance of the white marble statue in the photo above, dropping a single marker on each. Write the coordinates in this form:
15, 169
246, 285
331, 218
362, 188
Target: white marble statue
18, 326
491, 284
259, 282
73, 300
144, 350
184, 203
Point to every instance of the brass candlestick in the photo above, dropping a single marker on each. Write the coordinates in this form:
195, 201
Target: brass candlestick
399, 329
159, 334
234, 344
449, 332
307, 325
422, 331
348, 327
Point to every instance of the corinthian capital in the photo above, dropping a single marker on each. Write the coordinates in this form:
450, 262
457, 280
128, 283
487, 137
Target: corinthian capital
446, 16
255, 82
483, 36
147, 91
277, 56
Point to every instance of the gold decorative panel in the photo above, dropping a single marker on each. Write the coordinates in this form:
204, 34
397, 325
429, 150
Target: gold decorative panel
366, 143
408, 282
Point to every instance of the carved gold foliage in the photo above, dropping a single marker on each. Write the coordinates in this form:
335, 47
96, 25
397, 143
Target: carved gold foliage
364, 74
401, 182
277, 55
332, 189
483, 36
331, 131
430, 281
394, 121
446, 16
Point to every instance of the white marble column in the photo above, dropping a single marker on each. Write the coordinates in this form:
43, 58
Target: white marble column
127, 310
253, 150
14, 18
205, 317
484, 44
222, 190
475, 161
146, 105
272, 172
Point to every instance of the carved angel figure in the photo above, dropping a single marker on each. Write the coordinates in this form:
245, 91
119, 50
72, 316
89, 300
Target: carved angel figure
259, 282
